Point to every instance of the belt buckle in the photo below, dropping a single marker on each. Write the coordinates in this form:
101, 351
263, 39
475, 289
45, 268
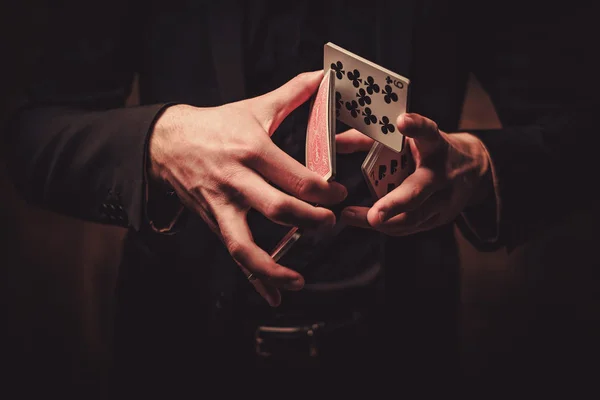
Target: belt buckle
281, 339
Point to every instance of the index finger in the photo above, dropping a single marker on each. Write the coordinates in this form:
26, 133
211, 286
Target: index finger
352, 141
294, 178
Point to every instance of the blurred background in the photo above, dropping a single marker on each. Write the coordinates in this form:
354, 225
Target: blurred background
58, 274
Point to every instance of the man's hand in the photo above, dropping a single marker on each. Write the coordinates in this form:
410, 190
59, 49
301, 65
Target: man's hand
452, 172
221, 162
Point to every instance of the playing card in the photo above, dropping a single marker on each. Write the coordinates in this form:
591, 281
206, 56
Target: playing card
384, 169
320, 131
368, 97
285, 244
320, 153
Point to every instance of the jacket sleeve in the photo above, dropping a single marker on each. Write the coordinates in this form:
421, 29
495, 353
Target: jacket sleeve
538, 70
74, 148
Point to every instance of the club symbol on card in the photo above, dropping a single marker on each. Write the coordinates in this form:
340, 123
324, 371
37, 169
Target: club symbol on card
354, 76
372, 87
369, 118
363, 98
393, 166
395, 82
403, 161
352, 107
389, 95
390, 187
338, 103
386, 127
381, 171
338, 67
372, 175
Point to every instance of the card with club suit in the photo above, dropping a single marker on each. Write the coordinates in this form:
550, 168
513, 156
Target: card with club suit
368, 97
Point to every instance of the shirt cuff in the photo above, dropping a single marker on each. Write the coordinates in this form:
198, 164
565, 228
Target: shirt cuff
480, 223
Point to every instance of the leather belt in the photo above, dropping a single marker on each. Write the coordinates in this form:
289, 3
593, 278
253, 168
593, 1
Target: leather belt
299, 340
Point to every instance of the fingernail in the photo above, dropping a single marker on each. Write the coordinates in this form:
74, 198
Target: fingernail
272, 302
403, 119
342, 189
294, 285
382, 216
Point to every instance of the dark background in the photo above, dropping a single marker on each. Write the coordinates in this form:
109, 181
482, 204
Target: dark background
58, 274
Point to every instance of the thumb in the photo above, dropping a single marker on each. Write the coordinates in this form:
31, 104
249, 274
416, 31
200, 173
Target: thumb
275, 106
423, 131
352, 141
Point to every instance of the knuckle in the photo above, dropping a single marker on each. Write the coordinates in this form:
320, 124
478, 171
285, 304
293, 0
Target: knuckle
402, 220
279, 209
250, 151
418, 121
272, 273
305, 187
301, 79
237, 250
229, 188
426, 124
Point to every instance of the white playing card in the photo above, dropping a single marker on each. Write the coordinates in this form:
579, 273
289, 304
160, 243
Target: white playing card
368, 97
384, 169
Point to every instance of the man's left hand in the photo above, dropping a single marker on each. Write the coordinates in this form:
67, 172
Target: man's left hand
452, 172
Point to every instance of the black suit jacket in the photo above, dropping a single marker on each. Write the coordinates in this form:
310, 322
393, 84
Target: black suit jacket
77, 151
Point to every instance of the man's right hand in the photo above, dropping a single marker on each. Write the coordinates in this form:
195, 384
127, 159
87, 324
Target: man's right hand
221, 160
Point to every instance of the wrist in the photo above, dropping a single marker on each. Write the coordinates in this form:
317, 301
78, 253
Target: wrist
479, 180
485, 181
159, 142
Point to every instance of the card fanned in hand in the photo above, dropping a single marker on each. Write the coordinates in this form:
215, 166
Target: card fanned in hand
320, 131
320, 149
384, 169
368, 98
